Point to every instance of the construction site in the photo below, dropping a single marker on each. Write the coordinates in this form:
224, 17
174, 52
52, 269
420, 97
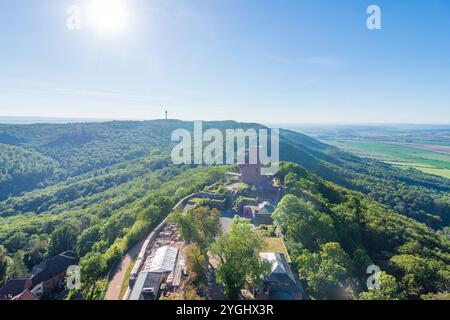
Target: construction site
160, 267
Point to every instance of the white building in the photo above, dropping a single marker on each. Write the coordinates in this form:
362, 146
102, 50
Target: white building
164, 260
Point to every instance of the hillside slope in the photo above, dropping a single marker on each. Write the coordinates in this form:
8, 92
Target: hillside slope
334, 234
52, 153
99, 187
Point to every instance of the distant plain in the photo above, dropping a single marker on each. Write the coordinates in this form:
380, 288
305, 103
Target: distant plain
424, 149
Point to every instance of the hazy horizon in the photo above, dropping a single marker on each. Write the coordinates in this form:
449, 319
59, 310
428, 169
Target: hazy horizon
60, 120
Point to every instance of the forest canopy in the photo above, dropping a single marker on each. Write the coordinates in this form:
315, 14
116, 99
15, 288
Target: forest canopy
98, 188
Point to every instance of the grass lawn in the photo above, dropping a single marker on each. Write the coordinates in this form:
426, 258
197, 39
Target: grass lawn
126, 280
274, 244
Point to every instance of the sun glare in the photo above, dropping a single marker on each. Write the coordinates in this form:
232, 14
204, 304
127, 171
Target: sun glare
108, 15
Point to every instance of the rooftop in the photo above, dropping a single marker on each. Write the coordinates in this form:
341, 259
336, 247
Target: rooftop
147, 286
280, 269
265, 208
53, 266
13, 287
26, 295
164, 260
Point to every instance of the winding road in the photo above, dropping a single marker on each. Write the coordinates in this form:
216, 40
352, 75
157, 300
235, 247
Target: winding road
114, 286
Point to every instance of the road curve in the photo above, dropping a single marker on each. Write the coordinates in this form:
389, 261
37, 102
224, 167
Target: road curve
118, 274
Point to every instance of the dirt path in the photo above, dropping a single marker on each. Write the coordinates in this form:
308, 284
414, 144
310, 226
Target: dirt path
118, 275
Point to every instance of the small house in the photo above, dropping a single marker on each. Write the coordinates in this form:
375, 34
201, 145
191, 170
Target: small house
146, 286
280, 283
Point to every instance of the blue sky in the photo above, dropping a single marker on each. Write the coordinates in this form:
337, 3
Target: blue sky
249, 60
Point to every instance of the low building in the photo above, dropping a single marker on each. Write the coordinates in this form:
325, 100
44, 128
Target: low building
135, 272
249, 212
163, 261
25, 295
14, 288
280, 283
49, 276
44, 279
146, 286
260, 214
244, 205
264, 213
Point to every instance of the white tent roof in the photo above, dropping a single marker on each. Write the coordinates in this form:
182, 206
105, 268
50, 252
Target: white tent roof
277, 265
164, 259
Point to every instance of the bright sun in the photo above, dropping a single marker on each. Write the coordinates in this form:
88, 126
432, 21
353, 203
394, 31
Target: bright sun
108, 15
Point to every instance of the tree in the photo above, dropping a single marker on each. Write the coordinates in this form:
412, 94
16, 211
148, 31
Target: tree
445, 232
16, 241
300, 222
63, 238
149, 214
201, 225
361, 261
388, 290
92, 266
436, 296
238, 255
188, 293
96, 291
325, 273
196, 263
287, 211
287, 168
19, 268
87, 239
421, 275
3, 264
36, 251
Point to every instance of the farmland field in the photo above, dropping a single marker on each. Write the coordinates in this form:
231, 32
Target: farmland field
424, 149
430, 162
438, 172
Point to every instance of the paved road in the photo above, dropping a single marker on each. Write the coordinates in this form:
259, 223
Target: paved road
118, 275
226, 220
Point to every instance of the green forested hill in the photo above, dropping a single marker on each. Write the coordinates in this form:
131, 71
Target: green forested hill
423, 197
82, 148
334, 234
98, 187
89, 157
36, 156
101, 226
77, 149
24, 170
